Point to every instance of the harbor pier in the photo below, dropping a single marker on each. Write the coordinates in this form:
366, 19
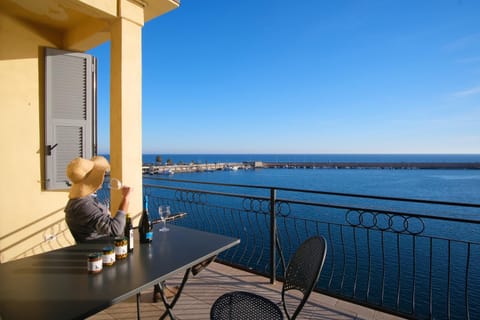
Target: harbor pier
168, 169
374, 165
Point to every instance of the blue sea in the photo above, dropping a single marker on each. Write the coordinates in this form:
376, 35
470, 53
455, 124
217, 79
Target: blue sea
456, 185
446, 185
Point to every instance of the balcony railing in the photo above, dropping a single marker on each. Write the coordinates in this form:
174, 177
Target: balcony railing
413, 258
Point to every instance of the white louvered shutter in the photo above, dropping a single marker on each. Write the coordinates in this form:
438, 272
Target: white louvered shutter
70, 112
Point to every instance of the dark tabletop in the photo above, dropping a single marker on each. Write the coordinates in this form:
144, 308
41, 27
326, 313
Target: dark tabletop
57, 285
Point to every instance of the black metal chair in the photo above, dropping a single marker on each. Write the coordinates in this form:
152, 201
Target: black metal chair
302, 274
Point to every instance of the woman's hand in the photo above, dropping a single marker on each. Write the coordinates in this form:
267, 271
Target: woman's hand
126, 191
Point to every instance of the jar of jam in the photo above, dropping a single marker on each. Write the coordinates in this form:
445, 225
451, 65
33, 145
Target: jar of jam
108, 256
121, 248
94, 264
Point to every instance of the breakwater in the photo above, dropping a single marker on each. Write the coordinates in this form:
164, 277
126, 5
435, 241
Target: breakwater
233, 166
169, 169
374, 165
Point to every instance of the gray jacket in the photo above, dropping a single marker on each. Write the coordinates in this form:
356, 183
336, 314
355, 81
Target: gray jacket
88, 219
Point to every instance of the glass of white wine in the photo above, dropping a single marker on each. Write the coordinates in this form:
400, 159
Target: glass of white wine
115, 184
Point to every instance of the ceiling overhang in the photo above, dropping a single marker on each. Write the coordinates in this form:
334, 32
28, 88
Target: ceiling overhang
82, 19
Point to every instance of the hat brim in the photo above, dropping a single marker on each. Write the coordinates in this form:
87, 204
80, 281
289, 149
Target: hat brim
92, 181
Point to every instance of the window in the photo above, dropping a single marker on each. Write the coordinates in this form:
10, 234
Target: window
70, 112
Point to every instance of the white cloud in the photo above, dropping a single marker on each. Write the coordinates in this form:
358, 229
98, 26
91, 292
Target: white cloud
468, 92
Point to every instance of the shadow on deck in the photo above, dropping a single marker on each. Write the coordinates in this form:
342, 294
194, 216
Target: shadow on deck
202, 290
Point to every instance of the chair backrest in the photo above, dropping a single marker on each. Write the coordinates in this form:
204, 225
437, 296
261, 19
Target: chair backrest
304, 270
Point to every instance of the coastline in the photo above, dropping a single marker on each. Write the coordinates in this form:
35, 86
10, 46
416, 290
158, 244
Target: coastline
375, 165
310, 158
169, 169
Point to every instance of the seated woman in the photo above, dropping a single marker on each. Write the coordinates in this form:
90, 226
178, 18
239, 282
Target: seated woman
85, 216
89, 219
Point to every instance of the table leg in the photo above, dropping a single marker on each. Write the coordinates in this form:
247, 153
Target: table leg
169, 306
138, 306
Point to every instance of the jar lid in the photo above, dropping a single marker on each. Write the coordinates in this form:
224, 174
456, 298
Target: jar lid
94, 255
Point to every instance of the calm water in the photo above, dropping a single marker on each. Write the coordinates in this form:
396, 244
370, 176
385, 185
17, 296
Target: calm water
443, 185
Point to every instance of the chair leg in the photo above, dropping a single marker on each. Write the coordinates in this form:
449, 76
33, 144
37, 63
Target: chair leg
156, 289
170, 305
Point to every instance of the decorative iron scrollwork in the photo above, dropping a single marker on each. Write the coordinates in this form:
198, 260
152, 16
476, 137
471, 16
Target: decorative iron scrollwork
283, 209
191, 197
385, 221
256, 205
263, 206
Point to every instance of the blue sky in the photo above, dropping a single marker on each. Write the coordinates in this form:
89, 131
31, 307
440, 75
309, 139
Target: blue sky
310, 76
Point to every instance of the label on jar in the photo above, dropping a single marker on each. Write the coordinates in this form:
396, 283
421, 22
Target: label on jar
94, 263
121, 250
108, 258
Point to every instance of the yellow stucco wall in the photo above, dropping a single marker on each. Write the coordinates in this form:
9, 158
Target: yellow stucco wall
32, 219
125, 108
27, 214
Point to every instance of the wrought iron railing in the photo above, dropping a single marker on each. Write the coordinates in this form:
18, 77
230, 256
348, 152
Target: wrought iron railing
414, 258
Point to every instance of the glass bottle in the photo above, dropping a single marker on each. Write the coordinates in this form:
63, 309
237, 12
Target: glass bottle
129, 233
145, 225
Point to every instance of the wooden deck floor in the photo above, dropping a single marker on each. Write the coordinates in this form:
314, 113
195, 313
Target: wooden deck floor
202, 290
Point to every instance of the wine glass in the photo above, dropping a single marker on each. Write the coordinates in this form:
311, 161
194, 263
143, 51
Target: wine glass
115, 184
164, 212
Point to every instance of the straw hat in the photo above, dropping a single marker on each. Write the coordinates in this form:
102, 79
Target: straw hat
86, 175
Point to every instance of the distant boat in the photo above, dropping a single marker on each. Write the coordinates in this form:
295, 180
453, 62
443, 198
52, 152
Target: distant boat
231, 168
